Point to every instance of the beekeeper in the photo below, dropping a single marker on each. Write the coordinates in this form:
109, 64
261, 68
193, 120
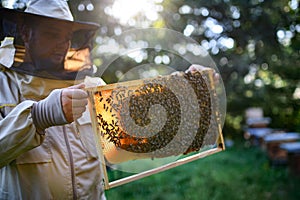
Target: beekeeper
47, 150
47, 146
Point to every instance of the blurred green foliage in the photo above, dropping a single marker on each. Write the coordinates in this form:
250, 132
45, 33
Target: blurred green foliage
239, 173
261, 69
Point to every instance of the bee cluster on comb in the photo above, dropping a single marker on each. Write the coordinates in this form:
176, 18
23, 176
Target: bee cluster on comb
160, 117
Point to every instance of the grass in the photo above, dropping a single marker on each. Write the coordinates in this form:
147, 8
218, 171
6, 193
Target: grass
239, 173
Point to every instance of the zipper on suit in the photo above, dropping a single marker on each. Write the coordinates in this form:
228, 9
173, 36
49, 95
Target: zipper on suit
71, 162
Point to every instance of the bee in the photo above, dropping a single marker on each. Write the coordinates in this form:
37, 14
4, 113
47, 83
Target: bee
140, 101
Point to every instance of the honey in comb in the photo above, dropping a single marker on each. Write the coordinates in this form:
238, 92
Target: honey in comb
123, 105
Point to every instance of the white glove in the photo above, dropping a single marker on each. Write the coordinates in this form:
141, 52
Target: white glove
62, 106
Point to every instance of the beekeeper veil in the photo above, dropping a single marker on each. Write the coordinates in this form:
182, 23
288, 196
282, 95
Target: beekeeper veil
46, 58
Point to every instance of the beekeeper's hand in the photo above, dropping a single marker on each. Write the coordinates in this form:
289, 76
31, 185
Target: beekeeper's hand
195, 67
62, 106
74, 101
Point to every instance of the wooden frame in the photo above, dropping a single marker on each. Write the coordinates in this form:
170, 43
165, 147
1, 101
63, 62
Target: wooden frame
219, 143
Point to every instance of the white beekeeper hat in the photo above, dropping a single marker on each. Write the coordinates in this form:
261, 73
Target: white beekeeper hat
47, 10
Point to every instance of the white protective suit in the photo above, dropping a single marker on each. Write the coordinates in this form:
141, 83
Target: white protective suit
60, 164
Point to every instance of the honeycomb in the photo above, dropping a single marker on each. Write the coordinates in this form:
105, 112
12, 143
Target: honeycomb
163, 116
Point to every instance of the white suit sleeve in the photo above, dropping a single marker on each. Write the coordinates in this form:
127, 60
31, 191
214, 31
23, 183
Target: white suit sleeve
17, 133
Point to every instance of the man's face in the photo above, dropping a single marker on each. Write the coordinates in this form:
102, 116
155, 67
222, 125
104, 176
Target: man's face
47, 45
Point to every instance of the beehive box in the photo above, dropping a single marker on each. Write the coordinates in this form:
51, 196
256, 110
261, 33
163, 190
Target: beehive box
174, 116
